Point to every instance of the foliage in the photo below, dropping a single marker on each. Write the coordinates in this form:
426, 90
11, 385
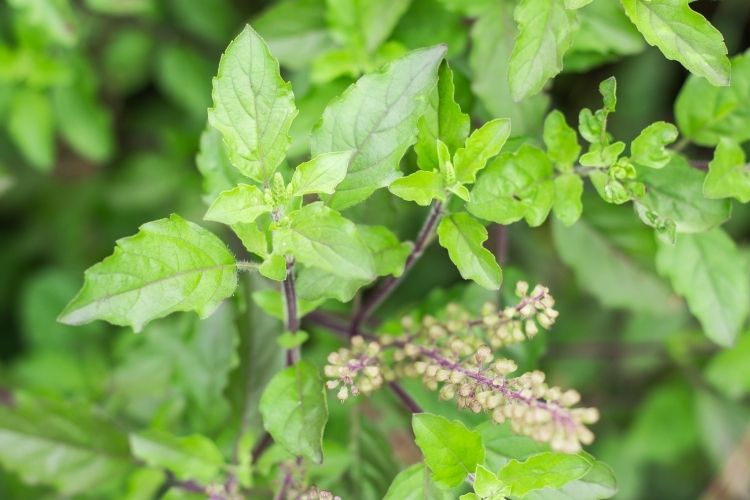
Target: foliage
326, 344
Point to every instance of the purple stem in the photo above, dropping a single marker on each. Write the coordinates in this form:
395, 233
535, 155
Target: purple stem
407, 400
292, 316
389, 284
261, 447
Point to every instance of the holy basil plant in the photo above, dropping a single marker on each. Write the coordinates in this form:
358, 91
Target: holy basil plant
304, 233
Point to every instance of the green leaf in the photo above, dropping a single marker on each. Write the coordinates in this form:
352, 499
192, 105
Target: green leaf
54, 18
492, 39
546, 30
682, 35
487, 485
272, 303
675, 193
567, 205
462, 235
561, 141
393, 100
182, 75
84, 123
706, 113
318, 236
414, 483
728, 370
389, 253
274, 267
728, 173
31, 127
545, 470
610, 253
364, 26
170, 265
253, 239
240, 205
598, 483
253, 106
648, 149
321, 174
709, 271
450, 450
47, 442
482, 144
421, 187
314, 284
608, 90
295, 410
289, 340
192, 457
515, 186
214, 165
443, 120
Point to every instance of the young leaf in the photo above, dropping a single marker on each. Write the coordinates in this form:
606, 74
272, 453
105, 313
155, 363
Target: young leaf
421, 187
321, 174
414, 483
705, 113
295, 410
514, 186
214, 165
462, 235
482, 144
648, 149
561, 141
389, 253
728, 173
545, 470
450, 450
682, 35
546, 31
253, 106
240, 205
83, 122
192, 457
274, 267
675, 193
64, 446
709, 271
487, 485
253, 239
170, 265
314, 284
318, 236
443, 120
363, 26
568, 191
392, 100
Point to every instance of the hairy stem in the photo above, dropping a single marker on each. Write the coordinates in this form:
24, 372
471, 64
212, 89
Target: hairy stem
389, 284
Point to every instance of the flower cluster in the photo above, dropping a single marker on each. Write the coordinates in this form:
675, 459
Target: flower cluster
315, 494
455, 356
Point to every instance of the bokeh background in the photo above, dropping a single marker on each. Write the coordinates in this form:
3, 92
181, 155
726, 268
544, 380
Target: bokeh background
102, 106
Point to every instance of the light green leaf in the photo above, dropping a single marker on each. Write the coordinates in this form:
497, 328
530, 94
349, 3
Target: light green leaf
442, 120
295, 410
289, 340
576, 4
482, 144
321, 174
252, 238
240, 205
182, 75
421, 187
54, 18
389, 253
648, 149
318, 236
608, 90
463, 236
546, 30
561, 141
450, 450
335, 64
706, 113
568, 191
598, 483
610, 253
170, 265
31, 127
414, 483
545, 470
728, 173
274, 267
314, 284
272, 303
515, 186
675, 193
214, 165
393, 100
487, 485
682, 35
47, 442
192, 457
728, 370
709, 271
253, 106
84, 123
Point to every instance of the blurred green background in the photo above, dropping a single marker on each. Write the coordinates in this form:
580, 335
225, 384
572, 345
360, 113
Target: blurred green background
102, 106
